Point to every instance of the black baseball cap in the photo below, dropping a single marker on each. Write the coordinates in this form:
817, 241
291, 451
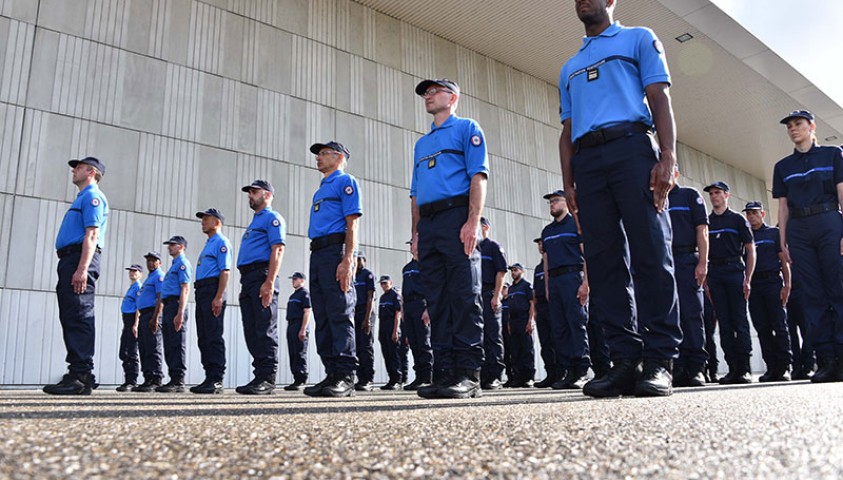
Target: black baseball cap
212, 212
422, 87
94, 162
537, 239
516, 265
385, 278
798, 114
298, 275
720, 185
336, 146
485, 221
555, 193
263, 184
135, 267
753, 205
153, 254
409, 242
362, 255
176, 240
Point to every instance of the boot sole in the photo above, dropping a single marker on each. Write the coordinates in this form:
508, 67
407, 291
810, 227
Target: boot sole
84, 392
653, 392
470, 394
344, 394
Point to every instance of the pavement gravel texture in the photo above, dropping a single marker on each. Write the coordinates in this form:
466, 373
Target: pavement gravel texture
781, 431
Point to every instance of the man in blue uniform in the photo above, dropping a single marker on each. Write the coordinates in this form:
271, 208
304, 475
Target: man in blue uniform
334, 222
213, 271
521, 314
567, 293
448, 191
543, 326
298, 317
173, 308
389, 332
768, 296
809, 186
128, 352
416, 325
729, 280
150, 343
617, 179
690, 258
493, 268
78, 246
259, 261
364, 286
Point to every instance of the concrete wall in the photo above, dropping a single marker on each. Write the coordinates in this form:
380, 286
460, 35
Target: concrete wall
187, 100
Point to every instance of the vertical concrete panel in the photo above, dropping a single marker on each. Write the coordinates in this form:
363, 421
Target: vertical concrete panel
42, 169
15, 59
206, 36
272, 132
43, 69
6, 207
140, 91
11, 129
292, 16
273, 54
24, 10
66, 16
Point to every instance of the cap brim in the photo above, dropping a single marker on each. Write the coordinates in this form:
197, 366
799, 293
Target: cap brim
316, 147
152, 256
248, 188
791, 117
200, 214
73, 163
423, 86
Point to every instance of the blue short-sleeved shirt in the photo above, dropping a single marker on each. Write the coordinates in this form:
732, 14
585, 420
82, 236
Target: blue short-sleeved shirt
687, 212
727, 235
215, 258
299, 300
130, 300
520, 294
446, 159
89, 209
268, 228
151, 288
809, 178
364, 282
767, 248
338, 197
603, 84
492, 260
538, 282
180, 273
411, 285
390, 303
561, 243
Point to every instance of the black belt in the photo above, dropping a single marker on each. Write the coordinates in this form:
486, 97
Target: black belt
432, 208
144, 311
606, 135
252, 267
724, 260
691, 249
555, 272
327, 241
800, 212
765, 275
206, 282
71, 249
169, 300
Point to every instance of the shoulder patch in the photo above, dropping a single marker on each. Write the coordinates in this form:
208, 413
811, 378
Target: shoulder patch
223, 249
276, 223
699, 200
160, 279
95, 202
349, 190
371, 276
476, 140
183, 267
658, 46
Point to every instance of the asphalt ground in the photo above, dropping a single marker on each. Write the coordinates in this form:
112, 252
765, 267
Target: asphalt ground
782, 431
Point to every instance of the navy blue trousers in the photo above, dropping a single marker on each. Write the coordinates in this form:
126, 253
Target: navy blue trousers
803, 353
568, 320
150, 346
814, 244
543, 326
452, 281
364, 344
175, 343
493, 364
598, 350
333, 312
390, 349
770, 321
613, 186
692, 353
76, 313
260, 325
418, 336
404, 354
523, 352
128, 352
725, 283
507, 345
297, 350
209, 331
710, 323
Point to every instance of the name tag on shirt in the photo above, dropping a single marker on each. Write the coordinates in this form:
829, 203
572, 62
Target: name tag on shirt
593, 74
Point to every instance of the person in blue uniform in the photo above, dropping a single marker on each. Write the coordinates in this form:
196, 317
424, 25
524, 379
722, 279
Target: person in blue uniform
804, 361
128, 351
729, 281
298, 318
712, 366
567, 287
521, 325
690, 258
416, 325
259, 261
150, 343
173, 308
543, 326
364, 286
617, 178
507, 347
213, 270
389, 332
333, 231
493, 268
809, 187
448, 192
78, 245
768, 296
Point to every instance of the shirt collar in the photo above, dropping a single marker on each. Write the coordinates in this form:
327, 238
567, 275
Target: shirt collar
92, 186
812, 150
267, 208
611, 31
446, 124
330, 178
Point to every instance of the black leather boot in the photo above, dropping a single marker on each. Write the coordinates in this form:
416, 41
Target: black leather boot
72, 384
316, 390
680, 376
574, 379
148, 385
827, 371
419, 382
465, 384
175, 385
656, 379
619, 380
695, 376
342, 385
209, 387
440, 380
739, 374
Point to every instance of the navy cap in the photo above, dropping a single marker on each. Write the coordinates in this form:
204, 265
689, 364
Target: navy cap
485, 221
298, 275
259, 184
537, 239
135, 267
212, 212
422, 87
753, 205
153, 254
176, 240
409, 242
385, 278
336, 146
94, 162
362, 255
506, 285
798, 114
555, 193
721, 185
516, 265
